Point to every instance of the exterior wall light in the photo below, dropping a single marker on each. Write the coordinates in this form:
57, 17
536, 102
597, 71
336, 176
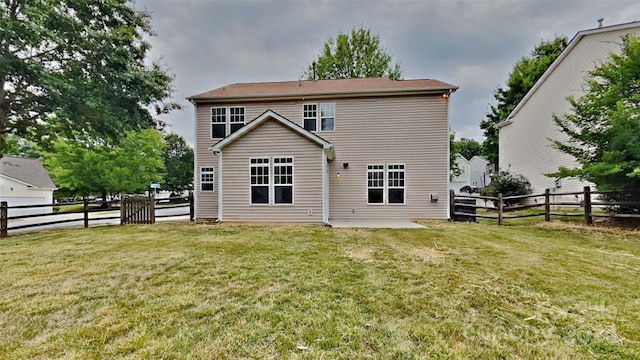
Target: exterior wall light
338, 174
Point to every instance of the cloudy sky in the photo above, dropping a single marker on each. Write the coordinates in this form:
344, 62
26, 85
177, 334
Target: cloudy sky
473, 44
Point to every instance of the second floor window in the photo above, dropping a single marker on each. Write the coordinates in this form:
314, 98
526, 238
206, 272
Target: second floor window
323, 119
226, 120
310, 116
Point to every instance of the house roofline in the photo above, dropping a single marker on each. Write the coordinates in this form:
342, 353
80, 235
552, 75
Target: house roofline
329, 94
574, 41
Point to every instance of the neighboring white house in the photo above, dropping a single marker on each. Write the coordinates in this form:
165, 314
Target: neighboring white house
475, 173
480, 172
463, 179
526, 135
24, 181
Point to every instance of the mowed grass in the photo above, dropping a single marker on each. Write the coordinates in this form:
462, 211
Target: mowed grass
202, 291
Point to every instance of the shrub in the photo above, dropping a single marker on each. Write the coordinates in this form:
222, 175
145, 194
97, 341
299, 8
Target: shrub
507, 184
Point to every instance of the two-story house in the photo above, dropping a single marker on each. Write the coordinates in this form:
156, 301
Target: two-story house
308, 151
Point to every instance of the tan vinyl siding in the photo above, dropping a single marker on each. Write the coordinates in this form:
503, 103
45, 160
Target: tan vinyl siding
307, 167
410, 130
525, 147
207, 201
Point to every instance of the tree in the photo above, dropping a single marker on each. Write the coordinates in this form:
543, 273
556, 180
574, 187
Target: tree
15, 145
357, 54
77, 68
507, 184
178, 162
604, 126
90, 168
524, 75
454, 169
468, 148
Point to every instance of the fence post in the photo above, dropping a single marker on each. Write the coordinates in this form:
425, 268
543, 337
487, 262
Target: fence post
547, 205
152, 209
4, 219
588, 219
500, 206
192, 211
452, 205
86, 211
123, 209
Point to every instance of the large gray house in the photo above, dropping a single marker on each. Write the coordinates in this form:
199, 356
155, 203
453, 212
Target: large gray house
311, 151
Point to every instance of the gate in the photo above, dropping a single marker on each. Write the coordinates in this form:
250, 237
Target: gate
137, 209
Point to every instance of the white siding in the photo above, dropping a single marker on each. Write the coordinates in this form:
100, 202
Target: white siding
16, 193
525, 147
410, 130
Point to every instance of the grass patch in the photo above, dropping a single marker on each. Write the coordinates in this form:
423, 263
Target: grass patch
177, 290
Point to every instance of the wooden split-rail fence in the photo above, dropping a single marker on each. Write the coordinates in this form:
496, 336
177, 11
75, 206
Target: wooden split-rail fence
137, 209
464, 207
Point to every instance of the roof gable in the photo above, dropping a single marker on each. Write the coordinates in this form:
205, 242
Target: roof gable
572, 44
344, 87
26, 170
271, 115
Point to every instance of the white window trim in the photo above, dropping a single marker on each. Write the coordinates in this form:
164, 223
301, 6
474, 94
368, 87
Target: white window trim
293, 181
227, 122
268, 166
305, 118
384, 179
213, 178
404, 187
385, 184
318, 117
271, 185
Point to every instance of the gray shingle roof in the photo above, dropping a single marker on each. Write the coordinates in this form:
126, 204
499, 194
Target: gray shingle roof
27, 170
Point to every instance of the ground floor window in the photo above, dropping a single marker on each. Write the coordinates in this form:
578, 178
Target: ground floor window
259, 173
271, 175
385, 184
206, 179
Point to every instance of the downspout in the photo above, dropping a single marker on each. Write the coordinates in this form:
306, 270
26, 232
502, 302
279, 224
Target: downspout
325, 189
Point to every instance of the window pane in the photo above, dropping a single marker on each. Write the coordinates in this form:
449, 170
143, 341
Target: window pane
327, 124
284, 194
310, 124
218, 131
207, 187
259, 194
236, 127
375, 196
396, 196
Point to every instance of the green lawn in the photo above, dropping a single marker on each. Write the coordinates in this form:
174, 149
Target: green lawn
201, 291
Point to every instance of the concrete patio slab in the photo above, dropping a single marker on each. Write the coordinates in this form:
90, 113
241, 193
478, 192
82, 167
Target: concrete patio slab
375, 223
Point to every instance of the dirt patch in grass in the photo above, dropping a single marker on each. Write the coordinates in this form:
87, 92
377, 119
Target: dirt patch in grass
426, 254
361, 254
